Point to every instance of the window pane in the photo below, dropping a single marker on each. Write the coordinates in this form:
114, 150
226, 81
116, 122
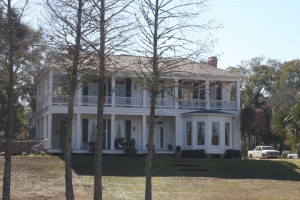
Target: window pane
189, 133
226, 134
215, 133
201, 133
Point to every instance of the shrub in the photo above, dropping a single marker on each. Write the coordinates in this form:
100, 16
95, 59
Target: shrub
231, 153
200, 153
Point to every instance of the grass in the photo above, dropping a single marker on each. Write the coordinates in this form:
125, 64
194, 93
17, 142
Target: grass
42, 177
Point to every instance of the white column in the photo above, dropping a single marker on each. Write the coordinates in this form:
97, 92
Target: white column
79, 95
238, 95
78, 131
207, 95
50, 88
145, 139
112, 130
176, 93
113, 93
178, 131
49, 130
144, 98
44, 127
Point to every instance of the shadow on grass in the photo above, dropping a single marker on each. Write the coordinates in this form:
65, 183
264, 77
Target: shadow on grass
168, 166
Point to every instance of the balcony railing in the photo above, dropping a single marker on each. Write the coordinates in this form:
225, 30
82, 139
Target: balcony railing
191, 103
162, 102
93, 100
129, 101
138, 102
60, 99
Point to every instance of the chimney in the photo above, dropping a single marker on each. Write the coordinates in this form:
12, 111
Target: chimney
213, 61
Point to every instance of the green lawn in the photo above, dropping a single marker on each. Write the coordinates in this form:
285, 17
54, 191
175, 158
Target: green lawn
37, 177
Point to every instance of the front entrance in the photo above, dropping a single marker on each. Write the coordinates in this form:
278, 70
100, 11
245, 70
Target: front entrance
159, 137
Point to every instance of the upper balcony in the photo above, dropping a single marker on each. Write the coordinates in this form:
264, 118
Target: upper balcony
167, 103
182, 94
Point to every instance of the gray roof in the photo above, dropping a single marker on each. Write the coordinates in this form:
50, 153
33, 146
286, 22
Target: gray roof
172, 67
168, 67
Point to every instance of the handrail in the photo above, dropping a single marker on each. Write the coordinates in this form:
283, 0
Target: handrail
35, 147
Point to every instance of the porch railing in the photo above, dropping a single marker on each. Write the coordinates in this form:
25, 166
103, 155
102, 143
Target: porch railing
60, 99
162, 102
191, 103
138, 102
129, 101
93, 100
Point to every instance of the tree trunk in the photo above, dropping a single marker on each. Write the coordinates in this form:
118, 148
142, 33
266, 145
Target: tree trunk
154, 91
148, 167
101, 97
72, 87
68, 147
10, 108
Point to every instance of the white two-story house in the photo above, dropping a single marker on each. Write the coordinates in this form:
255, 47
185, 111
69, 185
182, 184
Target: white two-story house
199, 109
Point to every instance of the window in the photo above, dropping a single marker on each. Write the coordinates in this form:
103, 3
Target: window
93, 89
120, 88
199, 90
188, 133
201, 133
233, 91
215, 91
215, 133
161, 137
186, 90
227, 134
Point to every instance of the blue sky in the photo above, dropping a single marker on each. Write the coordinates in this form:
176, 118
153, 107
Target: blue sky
253, 28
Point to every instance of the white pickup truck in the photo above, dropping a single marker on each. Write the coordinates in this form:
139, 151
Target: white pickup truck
263, 152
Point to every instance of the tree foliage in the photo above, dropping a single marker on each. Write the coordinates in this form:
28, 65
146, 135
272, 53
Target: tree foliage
287, 124
271, 86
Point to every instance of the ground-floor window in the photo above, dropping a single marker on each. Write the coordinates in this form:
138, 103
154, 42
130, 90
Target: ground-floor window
188, 133
201, 133
215, 136
161, 137
89, 132
227, 135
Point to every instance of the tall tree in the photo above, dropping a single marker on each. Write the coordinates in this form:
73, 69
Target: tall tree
285, 90
111, 28
167, 29
14, 45
66, 21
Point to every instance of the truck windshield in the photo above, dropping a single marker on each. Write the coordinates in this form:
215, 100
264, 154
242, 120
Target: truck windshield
267, 148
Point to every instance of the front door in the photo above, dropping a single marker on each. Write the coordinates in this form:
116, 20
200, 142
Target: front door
159, 137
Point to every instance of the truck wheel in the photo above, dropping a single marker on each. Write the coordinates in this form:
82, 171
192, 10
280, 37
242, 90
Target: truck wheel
250, 155
264, 156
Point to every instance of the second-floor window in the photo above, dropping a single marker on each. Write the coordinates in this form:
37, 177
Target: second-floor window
215, 91
120, 88
192, 89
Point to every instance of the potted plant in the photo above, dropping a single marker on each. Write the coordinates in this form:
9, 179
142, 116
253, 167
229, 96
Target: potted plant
170, 147
178, 151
